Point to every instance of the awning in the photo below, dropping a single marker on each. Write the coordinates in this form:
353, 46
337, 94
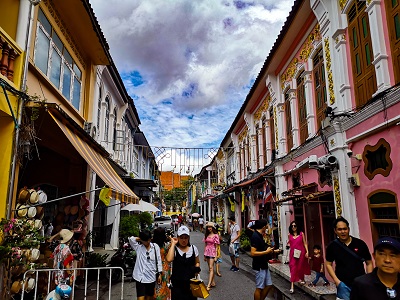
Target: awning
120, 191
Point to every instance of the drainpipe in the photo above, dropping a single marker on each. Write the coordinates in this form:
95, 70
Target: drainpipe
27, 42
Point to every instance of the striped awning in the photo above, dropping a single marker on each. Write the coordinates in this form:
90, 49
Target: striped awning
99, 164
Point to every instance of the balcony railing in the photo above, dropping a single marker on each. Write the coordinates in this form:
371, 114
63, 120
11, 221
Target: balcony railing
9, 53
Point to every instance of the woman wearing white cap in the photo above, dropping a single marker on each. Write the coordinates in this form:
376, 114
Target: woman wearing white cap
186, 265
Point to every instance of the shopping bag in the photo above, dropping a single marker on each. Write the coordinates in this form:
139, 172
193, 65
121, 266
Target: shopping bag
296, 253
198, 288
232, 249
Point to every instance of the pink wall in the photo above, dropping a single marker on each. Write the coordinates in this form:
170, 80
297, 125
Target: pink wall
391, 182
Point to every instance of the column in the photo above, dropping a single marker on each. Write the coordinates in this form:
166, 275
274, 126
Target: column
308, 85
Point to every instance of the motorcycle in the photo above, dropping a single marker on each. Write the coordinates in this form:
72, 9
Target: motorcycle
125, 257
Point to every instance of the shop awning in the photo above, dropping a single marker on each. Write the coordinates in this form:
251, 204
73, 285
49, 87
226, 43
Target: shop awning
99, 164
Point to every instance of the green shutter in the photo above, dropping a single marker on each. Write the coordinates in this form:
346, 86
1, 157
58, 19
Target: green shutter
367, 54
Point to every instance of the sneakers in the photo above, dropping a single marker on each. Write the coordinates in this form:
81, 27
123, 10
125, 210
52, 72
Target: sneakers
312, 285
232, 268
327, 284
236, 269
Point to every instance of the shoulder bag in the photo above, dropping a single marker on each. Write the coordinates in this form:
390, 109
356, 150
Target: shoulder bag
348, 250
198, 288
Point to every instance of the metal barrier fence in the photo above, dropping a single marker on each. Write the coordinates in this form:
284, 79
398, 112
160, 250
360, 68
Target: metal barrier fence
47, 277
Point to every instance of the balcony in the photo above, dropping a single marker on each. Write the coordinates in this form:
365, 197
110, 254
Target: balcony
10, 58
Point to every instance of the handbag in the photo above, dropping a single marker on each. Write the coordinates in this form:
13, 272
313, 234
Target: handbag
198, 288
232, 249
296, 253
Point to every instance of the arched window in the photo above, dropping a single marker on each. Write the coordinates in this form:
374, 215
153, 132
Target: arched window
107, 123
115, 130
99, 109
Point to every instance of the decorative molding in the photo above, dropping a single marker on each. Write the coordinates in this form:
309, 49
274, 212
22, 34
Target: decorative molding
329, 71
336, 191
342, 4
262, 109
63, 28
243, 134
276, 129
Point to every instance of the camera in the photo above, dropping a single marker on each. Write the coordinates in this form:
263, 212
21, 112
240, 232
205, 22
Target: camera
349, 153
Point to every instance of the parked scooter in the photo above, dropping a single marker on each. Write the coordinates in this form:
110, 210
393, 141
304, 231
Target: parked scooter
125, 257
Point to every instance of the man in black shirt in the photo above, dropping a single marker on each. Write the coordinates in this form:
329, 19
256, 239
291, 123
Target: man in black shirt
384, 281
349, 254
260, 252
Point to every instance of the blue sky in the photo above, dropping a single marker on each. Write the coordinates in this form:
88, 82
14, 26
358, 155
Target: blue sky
189, 64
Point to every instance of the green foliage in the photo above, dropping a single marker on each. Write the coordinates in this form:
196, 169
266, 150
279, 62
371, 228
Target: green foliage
146, 218
244, 240
96, 260
129, 226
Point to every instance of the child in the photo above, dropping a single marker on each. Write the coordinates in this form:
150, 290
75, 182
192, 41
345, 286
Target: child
218, 258
318, 266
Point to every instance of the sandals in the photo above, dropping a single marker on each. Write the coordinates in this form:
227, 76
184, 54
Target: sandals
208, 288
302, 282
219, 274
291, 291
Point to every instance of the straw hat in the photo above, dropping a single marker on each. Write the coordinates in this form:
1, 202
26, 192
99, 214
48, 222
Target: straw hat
34, 254
39, 212
42, 196
33, 196
16, 287
67, 209
23, 195
31, 212
29, 284
74, 210
38, 224
22, 210
210, 224
65, 235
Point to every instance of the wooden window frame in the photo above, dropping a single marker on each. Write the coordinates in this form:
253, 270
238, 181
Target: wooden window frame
373, 220
394, 37
272, 133
302, 107
264, 141
289, 124
319, 87
257, 158
360, 40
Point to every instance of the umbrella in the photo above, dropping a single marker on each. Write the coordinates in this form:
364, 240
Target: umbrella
132, 207
146, 206
195, 215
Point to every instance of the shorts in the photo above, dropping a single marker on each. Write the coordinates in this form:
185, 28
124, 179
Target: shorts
236, 248
218, 260
145, 289
263, 278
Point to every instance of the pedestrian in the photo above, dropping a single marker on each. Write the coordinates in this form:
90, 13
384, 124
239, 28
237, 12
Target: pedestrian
195, 223
349, 254
298, 263
384, 281
175, 222
180, 220
234, 231
47, 227
259, 252
218, 258
318, 266
211, 240
201, 223
185, 264
162, 290
148, 266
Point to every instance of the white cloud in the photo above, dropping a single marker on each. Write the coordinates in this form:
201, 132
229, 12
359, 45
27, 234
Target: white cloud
209, 48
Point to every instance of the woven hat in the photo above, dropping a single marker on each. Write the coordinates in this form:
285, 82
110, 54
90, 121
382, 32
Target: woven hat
74, 210
39, 212
34, 254
33, 196
65, 235
38, 224
211, 224
67, 209
42, 196
22, 210
23, 195
31, 212
29, 284
16, 287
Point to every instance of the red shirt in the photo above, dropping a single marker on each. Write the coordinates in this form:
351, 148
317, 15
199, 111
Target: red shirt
317, 262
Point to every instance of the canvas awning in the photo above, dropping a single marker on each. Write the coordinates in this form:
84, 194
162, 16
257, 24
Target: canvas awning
100, 165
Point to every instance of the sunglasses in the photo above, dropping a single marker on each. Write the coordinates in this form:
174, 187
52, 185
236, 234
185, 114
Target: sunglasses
294, 225
391, 293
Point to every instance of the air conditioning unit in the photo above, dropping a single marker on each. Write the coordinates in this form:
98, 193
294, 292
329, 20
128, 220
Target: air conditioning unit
355, 180
93, 132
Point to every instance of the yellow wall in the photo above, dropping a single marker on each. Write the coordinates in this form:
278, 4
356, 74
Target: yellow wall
9, 16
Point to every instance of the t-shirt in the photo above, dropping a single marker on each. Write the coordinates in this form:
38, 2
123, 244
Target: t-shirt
201, 221
259, 262
234, 232
347, 266
316, 263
